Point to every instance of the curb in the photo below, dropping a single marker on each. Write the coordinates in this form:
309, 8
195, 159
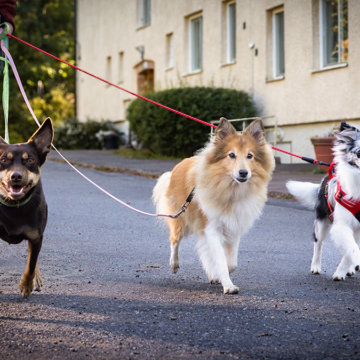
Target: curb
110, 169
148, 174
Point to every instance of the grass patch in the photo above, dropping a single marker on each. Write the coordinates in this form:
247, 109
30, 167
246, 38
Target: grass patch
318, 171
141, 154
278, 195
109, 169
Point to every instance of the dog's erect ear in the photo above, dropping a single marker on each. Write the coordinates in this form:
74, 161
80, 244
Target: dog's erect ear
256, 130
43, 137
345, 126
347, 132
224, 129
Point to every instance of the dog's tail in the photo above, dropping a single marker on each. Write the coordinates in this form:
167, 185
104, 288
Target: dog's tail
159, 192
306, 192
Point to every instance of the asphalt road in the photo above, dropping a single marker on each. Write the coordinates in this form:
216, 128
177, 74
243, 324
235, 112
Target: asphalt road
109, 293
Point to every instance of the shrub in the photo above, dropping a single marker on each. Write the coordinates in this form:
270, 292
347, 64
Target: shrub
73, 134
167, 133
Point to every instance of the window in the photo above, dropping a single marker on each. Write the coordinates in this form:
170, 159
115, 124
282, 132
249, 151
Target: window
143, 13
195, 42
278, 44
231, 32
121, 67
169, 51
108, 68
334, 41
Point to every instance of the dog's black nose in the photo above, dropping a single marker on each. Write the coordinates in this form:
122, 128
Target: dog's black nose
243, 173
16, 176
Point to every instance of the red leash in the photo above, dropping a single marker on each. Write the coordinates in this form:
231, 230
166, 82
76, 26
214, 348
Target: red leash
309, 160
109, 83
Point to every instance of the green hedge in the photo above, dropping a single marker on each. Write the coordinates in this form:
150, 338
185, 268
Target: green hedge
73, 134
167, 133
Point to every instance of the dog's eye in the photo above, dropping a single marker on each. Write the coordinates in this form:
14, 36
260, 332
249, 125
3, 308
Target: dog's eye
31, 160
4, 159
249, 156
232, 155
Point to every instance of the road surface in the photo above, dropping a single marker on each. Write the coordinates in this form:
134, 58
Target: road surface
109, 293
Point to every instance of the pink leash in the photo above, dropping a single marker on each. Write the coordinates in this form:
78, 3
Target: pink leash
73, 167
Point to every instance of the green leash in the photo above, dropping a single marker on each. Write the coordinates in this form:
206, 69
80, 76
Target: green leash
5, 96
5, 69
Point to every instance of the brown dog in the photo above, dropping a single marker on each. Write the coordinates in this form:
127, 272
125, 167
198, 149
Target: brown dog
23, 209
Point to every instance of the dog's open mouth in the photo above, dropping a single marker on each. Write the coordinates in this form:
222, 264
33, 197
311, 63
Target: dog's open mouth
240, 180
17, 191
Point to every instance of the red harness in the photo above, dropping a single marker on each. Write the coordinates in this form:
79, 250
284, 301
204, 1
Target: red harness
340, 196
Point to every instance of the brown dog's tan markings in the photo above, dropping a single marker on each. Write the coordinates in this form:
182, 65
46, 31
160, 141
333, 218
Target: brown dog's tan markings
34, 177
25, 156
10, 156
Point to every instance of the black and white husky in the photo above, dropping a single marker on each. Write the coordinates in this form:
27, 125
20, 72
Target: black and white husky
337, 204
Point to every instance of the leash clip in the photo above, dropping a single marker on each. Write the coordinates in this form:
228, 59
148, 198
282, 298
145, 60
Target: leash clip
183, 209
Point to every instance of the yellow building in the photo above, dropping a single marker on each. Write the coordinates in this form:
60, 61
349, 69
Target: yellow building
299, 59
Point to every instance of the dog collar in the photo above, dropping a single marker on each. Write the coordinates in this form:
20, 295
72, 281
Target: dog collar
16, 204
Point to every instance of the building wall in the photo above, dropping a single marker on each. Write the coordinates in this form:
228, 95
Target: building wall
306, 102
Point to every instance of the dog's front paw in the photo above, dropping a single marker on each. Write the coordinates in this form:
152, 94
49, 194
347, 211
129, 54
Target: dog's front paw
231, 290
175, 266
38, 282
26, 288
214, 281
338, 276
351, 271
316, 268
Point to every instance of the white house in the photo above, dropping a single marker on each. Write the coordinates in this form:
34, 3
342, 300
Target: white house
299, 59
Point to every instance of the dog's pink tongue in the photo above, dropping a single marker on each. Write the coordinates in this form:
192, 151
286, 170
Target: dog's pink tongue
16, 190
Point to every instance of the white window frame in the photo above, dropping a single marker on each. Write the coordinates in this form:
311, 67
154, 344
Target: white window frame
169, 51
143, 13
230, 34
276, 74
323, 42
192, 66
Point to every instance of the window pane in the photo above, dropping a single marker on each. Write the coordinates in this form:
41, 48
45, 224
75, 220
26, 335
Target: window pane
147, 6
144, 7
232, 32
196, 44
344, 48
331, 32
279, 44
170, 51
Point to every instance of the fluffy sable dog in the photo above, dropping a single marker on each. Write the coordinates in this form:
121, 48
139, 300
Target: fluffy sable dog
23, 210
230, 176
337, 204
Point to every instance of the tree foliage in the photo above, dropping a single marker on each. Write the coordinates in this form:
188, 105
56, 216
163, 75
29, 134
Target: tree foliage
167, 133
47, 24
